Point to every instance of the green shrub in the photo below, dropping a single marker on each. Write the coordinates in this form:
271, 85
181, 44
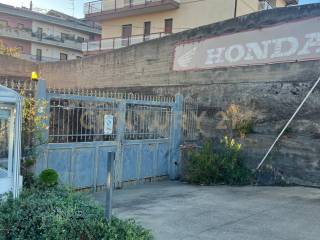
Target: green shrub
222, 164
57, 213
28, 180
48, 178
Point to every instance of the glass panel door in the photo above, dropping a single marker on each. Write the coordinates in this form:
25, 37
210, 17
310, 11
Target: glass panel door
4, 142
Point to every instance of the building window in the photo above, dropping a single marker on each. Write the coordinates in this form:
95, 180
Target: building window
126, 30
64, 36
168, 25
147, 28
3, 23
63, 57
39, 55
39, 32
126, 34
20, 25
80, 39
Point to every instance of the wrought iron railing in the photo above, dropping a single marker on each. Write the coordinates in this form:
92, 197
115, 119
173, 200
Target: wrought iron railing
28, 34
78, 115
118, 42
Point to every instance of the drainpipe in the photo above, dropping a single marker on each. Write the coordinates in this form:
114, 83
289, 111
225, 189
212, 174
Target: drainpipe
235, 8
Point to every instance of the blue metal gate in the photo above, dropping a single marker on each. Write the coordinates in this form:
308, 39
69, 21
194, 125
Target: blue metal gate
144, 132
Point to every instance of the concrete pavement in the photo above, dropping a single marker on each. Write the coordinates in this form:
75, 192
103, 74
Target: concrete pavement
174, 210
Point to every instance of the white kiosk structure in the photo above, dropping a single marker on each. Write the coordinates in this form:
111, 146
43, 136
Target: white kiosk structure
10, 141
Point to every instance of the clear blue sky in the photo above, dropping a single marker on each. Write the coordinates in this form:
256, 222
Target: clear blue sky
59, 5
66, 5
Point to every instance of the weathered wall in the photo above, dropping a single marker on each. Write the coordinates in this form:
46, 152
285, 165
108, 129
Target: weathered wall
268, 93
14, 67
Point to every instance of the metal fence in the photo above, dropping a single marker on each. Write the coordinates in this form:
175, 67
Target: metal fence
145, 132
190, 119
24, 87
79, 115
119, 42
4, 125
81, 120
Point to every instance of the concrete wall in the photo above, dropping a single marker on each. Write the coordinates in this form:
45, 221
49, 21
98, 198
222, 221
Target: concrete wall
17, 23
13, 43
268, 94
14, 22
14, 67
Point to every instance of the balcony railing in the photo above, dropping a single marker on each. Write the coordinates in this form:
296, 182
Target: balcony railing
115, 5
115, 43
27, 34
34, 58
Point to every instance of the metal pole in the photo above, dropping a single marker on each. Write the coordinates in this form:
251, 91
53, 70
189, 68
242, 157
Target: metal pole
288, 123
235, 8
110, 165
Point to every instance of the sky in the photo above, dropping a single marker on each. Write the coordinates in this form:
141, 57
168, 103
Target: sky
59, 5
66, 5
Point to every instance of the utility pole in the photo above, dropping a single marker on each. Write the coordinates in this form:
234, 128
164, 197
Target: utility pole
235, 8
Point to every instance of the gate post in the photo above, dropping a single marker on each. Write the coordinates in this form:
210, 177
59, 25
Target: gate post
42, 109
121, 127
176, 137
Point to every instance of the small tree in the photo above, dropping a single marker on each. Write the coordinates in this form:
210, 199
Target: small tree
33, 125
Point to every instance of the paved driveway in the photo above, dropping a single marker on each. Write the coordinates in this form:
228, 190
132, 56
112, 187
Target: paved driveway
174, 210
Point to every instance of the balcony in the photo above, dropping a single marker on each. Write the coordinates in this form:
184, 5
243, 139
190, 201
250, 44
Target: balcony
116, 43
111, 9
28, 35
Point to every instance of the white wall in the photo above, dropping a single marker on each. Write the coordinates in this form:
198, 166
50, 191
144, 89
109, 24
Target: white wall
53, 52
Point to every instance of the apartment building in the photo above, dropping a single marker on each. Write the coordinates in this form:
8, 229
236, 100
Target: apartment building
45, 37
126, 22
